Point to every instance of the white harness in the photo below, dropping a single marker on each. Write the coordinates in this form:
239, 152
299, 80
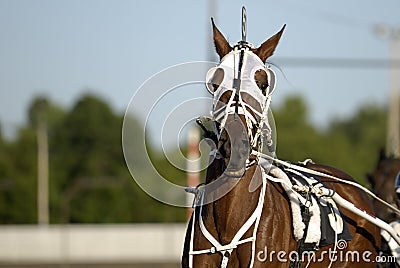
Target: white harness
226, 250
241, 64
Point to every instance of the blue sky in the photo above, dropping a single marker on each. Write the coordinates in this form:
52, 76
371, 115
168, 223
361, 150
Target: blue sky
64, 49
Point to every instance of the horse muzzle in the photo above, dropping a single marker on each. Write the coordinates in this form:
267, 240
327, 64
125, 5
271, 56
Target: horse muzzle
239, 148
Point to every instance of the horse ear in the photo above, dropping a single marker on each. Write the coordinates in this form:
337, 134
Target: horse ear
268, 47
221, 45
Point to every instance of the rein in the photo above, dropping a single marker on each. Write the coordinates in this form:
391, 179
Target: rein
323, 191
321, 174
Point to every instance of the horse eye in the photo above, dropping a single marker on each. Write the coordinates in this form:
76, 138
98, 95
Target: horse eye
264, 87
215, 86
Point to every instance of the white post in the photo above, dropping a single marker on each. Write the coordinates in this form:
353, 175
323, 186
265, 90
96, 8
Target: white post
392, 142
43, 173
392, 139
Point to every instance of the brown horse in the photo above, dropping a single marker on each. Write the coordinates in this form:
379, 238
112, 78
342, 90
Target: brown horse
238, 167
382, 183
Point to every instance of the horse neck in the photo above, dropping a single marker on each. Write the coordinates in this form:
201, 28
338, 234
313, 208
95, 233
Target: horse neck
232, 210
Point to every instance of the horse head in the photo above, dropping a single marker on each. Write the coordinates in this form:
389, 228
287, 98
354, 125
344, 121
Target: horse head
382, 182
241, 85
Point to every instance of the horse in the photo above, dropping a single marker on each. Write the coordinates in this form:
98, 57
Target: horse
223, 231
382, 182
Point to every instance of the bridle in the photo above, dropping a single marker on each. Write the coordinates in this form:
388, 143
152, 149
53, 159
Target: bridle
238, 69
246, 99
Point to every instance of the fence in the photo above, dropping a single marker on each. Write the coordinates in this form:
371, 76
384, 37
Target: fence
90, 244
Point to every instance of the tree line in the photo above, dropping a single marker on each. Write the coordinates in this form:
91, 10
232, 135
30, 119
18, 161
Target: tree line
90, 183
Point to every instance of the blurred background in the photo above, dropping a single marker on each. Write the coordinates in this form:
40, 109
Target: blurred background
68, 70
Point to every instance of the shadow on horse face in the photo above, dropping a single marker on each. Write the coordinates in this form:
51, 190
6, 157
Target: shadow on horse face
234, 146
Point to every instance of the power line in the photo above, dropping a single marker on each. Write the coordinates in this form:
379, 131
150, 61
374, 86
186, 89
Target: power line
351, 63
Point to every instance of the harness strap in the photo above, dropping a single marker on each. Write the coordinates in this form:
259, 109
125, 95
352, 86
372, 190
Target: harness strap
226, 250
362, 213
302, 200
317, 173
222, 248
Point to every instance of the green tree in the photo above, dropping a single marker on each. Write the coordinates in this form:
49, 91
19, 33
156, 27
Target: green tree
365, 133
297, 138
90, 182
42, 109
350, 144
17, 179
87, 160
7, 184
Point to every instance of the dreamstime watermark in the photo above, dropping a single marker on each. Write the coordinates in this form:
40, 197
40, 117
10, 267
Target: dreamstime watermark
170, 101
340, 254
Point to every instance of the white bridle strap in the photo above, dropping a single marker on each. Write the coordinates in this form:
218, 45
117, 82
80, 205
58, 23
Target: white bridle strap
244, 63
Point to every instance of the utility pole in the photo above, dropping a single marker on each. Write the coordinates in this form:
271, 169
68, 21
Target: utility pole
193, 138
39, 113
43, 172
392, 139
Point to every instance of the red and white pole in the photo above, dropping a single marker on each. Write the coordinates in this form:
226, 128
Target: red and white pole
193, 165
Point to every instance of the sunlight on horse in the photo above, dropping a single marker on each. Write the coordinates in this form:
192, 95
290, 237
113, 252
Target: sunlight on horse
227, 232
